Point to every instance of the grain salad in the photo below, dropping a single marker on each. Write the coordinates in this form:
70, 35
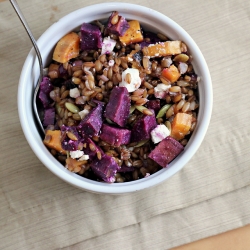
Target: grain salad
119, 103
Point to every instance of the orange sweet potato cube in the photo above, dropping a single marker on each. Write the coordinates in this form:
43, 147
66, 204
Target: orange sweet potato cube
133, 34
53, 140
172, 73
67, 48
181, 125
167, 48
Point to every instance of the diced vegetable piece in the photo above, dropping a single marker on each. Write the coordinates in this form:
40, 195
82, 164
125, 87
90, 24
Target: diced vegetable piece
159, 133
91, 37
49, 116
53, 140
181, 125
117, 27
143, 127
91, 148
133, 34
166, 151
115, 136
162, 49
154, 104
163, 110
125, 169
67, 48
71, 138
172, 73
105, 168
118, 107
73, 164
152, 36
92, 122
45, 88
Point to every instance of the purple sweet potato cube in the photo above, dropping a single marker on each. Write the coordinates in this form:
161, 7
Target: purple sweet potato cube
45, 88
49, 116
67, 143
91, 153
154, 104
143, 127
105, 168
117, 109
125, 169
91, 37
92, 123
119, 28
166, 151
115, 136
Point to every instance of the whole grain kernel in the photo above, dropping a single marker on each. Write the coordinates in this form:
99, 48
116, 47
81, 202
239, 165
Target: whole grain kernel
76, 80
175, 89
71, 107
115, 19
99, 155
92, 147
76, 117
72, 136
185, 107
128, 78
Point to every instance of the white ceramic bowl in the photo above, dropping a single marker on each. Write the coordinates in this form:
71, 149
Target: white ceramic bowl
149, 19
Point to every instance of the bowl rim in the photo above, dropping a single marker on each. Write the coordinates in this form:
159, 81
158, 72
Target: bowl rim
127, 187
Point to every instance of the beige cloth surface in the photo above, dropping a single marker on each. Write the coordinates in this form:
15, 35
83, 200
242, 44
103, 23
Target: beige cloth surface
210, 195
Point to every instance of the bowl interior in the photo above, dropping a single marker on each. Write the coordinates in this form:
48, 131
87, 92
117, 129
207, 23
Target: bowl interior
149, 20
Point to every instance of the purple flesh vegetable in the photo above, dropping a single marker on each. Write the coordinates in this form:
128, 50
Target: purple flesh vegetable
91, 153
92, 123
67, 143
142, 128
117, 109
49, 116
91, 37
45, 88
119, 28
115, 136
105, 168
166, 151
154, 104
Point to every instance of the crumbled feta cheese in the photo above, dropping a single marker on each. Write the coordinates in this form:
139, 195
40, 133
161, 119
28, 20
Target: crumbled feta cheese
83, 113
84, 158
159, 133
76, 154
74, 93
108, 45
161, 90
135, 82
111, 63
182, 67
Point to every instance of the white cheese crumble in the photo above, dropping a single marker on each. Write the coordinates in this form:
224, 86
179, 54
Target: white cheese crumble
83, 113
74, 93
76, 154
108, 45
135, 82
84, 158
161, 90
159, 133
